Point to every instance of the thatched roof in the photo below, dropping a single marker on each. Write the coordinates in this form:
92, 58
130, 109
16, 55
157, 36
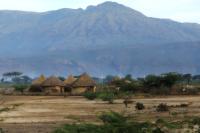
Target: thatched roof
84, 81
70, 80
39, 80
53, 81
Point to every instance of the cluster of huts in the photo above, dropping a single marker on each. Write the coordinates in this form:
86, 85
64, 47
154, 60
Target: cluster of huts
71, 85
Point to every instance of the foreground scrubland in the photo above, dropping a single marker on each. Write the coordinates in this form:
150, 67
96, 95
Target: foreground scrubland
32, 114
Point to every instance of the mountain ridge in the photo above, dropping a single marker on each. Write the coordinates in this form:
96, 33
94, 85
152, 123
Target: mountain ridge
122, 40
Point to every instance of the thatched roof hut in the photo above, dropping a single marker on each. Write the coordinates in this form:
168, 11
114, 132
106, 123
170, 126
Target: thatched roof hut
70, 80
53, 81
39, 80
84, 81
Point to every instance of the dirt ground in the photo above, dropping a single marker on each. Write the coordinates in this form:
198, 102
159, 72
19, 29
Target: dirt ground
42, 114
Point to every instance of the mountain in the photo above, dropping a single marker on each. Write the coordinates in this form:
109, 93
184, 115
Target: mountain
109, 38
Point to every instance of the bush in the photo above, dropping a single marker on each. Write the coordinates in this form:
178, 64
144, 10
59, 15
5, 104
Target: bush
20, 87
140, 106
183, 105
196, 121
113, 123
162, 108
1, 130
112, 117
160, 121
107, 96
80, 128
35, 88
90, 95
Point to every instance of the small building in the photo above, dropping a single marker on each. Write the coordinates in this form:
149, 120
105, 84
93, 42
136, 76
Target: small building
53, 85
36, 84
39, 80
83, 84
68, 82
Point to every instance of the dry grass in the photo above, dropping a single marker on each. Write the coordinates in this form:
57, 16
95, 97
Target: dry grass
44, 111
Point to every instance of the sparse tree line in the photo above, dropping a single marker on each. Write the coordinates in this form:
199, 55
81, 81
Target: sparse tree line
166, 83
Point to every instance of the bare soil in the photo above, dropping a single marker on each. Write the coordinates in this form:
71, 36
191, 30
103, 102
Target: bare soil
42, 114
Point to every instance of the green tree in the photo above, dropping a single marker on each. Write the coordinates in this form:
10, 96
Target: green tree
61, 78
152, 81
187, 77
128, 77
20, 88
12, 74
169, 79
22, 80
107, 96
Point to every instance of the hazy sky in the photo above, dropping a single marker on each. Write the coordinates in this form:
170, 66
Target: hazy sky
181, 10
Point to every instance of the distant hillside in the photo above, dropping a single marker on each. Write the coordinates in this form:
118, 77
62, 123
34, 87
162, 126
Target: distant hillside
105, 39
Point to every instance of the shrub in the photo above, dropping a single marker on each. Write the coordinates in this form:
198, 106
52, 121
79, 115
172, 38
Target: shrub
162, 108
1, 130
113, 123
174, 113
160, 121
80, 128
4, 110
140, 106
184, 105
107, 96
196, 121
35, 88
169, 125
90, 95
112, 117
20, 87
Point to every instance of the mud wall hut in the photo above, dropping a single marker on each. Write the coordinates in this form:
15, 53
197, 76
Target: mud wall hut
83, 84
53, 85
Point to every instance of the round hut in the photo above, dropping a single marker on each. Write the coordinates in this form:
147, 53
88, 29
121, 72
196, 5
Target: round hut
53, 85
36, 84
68, 83
39, 80
83, 84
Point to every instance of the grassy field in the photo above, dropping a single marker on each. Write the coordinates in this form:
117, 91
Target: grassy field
32, 114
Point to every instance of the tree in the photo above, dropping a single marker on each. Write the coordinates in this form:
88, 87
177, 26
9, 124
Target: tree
109, 78
196, 77
107, 96
128, 77
22, 80
2, 80
26, 79
164, 80
187, 77
152, 81
169, 79
16, 74
20, 88
61, 78
12, 74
